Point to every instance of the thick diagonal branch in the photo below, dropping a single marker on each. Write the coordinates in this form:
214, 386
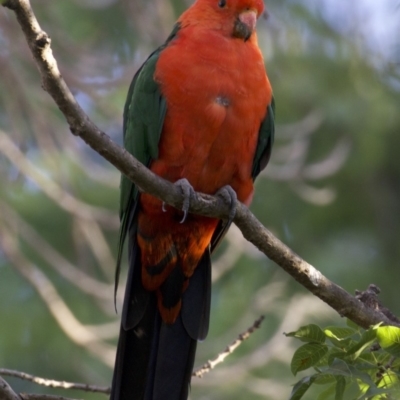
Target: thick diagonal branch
80, 125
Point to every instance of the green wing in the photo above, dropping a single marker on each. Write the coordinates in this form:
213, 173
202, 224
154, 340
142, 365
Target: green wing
144, 114
265, 141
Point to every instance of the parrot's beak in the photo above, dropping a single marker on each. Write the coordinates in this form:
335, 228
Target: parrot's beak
245, 24
249, 18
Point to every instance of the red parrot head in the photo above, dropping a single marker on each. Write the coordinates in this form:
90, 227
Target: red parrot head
236, 17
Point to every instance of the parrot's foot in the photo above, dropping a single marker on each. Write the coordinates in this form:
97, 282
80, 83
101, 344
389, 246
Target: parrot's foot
188, 191
229, 196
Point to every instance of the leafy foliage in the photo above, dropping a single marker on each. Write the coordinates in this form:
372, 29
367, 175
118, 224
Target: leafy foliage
350, 363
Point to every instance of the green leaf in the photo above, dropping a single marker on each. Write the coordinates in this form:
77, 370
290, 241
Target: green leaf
341, 368
340, 387
353, 390
322, 378
306, 356
365, 366
343, 343
389, 339
367, 338
379, 393
339, 336
389, 379
328, 393
370, 358
364, 387
323, 361
338, 332
301, 387
308, 333
334, 353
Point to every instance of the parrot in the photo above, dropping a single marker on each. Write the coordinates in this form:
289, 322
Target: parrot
199, 113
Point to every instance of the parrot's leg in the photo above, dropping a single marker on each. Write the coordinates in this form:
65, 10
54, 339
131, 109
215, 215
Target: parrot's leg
229, 196
187, 191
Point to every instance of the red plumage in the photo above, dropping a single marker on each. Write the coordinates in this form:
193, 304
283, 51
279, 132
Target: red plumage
217, 94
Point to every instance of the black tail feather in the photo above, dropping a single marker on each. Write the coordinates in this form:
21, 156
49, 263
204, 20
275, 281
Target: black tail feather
174, 363
155, 360
196, 300
133, 357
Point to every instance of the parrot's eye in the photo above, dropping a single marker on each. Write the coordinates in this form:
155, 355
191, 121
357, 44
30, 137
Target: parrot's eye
222, 3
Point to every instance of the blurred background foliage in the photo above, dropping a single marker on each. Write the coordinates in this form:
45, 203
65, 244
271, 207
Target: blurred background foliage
331, 192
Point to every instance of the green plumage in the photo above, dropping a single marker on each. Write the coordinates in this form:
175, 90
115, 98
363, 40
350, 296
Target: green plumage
265, 141
144, 114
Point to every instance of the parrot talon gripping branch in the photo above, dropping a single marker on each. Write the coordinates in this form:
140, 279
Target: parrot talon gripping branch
200, 113
188, 192
230, 197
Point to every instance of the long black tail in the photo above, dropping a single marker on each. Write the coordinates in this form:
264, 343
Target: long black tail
155, 360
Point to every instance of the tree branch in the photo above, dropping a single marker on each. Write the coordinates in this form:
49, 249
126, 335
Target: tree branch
34, 396
80, 125
52, 383
58, 262
86, 336
208, 366
6, 393
64, 200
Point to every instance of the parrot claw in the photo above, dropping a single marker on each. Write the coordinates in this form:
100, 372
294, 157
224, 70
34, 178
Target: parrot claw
188, 191
229, 196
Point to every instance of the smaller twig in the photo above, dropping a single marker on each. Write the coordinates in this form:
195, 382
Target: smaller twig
52, 189
77, 277
208, 366
52, 383
34, 396
92, 339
